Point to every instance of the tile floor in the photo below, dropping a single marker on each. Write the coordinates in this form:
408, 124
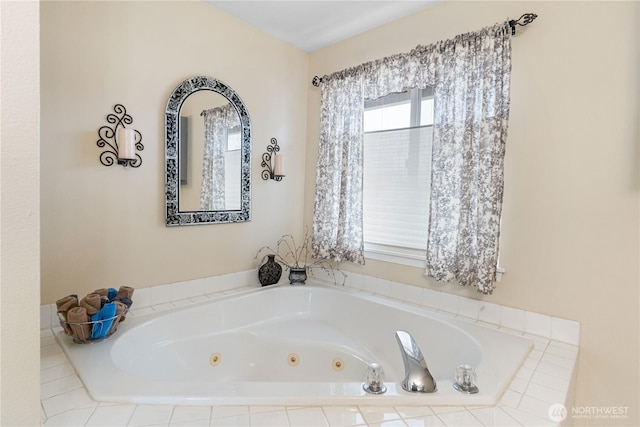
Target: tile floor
543, 380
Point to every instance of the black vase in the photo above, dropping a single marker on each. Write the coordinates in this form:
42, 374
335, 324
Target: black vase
270, 272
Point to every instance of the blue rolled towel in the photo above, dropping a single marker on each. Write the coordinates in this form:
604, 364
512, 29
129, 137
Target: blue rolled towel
112, 293
100, 329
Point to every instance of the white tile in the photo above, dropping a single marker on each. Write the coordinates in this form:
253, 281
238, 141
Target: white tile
446, 409
384, 287
512, 318
554, 370
229, 411
567, 331
557, 360
536, 355
189, 413
63, 402
140, 311
45, 316
425, 421
392, 423
159, 294
378, 414
511, 398
449, 303
52, 360
163, 307
212, 285
108, 416
490, 313
48, 340
45, 333
72, 418
539, 343
204, 422
537, 324
494, 416
550, 381
307, 417
431, 298
56, 372
49, 350
270, 419
231, 421
141, 298
343, 415
200, 298
519, 385
524, 373
469, 307
459, 419
534, 407
413, 411
145, 415
182, 302
263, 409
545, 394
59, 386
527, 419
563, 350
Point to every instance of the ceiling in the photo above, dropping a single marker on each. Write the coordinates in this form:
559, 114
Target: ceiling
311, 25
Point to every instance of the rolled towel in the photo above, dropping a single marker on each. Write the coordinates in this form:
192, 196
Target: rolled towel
112, 293
120, 310
78, 322
125, 292
92, 303
125, 301
103, 292
65, 304
103, 321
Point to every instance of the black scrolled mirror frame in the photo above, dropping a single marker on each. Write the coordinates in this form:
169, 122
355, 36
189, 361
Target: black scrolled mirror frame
172, 177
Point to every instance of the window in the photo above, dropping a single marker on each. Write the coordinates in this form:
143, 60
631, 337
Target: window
397, 170
232, 169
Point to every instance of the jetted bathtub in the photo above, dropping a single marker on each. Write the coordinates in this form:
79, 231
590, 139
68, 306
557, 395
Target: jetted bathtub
291, 345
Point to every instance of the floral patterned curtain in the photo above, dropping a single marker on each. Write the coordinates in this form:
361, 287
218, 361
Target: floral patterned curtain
217, 122
470, 75
337, 221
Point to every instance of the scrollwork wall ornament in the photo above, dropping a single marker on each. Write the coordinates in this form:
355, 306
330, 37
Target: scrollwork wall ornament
268, 173
107, 139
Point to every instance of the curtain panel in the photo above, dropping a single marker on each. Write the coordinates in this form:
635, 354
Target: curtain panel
217, 122
470, 75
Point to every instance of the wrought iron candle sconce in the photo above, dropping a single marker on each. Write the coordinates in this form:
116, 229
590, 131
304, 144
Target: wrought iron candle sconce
272, 162
121, 143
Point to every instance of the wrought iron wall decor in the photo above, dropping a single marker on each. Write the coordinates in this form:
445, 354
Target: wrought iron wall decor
272, 162
108, 138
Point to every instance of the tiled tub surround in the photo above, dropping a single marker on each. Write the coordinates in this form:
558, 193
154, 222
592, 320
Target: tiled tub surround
545, 378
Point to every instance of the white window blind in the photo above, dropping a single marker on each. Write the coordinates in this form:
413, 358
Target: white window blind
397, 170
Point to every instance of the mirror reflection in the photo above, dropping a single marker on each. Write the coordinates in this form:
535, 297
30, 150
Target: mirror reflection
209, 153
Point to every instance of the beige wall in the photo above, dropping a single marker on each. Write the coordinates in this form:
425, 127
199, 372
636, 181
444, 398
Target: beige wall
571, 220
104, 226
19, 214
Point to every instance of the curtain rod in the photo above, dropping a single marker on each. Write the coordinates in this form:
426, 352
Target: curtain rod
525, 19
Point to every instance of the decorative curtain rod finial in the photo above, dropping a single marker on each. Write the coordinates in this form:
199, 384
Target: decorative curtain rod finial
525, 19
316, 81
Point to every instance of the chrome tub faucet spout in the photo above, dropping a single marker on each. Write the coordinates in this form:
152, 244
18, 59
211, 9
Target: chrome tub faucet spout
417, 377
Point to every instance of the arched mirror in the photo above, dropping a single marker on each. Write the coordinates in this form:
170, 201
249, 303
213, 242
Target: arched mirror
208, 154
